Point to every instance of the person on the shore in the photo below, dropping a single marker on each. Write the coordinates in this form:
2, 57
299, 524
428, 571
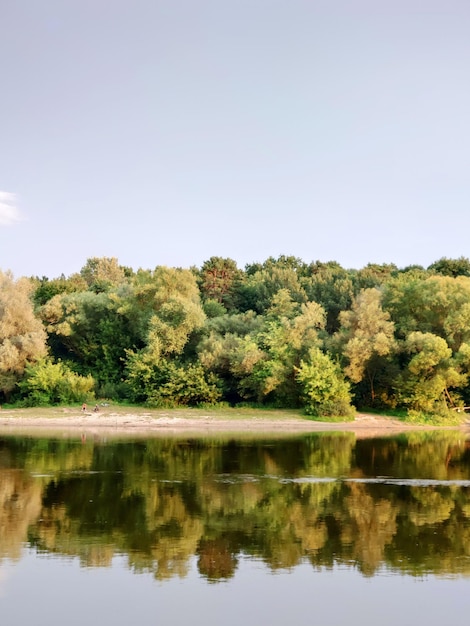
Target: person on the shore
84, 407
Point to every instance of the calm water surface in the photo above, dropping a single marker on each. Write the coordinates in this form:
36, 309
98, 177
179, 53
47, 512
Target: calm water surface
319, 529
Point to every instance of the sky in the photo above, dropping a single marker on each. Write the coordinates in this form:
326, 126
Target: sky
165, 132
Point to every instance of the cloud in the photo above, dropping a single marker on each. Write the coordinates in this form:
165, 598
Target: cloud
9, 213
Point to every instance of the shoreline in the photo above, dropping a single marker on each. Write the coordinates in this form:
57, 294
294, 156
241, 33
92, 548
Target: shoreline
121, 421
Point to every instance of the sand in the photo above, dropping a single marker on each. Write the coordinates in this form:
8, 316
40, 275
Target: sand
124, 421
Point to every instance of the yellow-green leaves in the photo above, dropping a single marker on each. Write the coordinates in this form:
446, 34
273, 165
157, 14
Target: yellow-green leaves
429, 351
324, 389
22, 337
366, 331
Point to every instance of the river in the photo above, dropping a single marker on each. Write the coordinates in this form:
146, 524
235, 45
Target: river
323, 528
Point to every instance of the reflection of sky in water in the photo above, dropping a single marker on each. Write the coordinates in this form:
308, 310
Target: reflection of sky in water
45, 591
3, 581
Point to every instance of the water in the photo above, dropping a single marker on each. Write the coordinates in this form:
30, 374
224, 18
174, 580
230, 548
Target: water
318, 529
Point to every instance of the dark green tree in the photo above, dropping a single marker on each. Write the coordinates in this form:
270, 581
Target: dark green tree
219, 280
451, 267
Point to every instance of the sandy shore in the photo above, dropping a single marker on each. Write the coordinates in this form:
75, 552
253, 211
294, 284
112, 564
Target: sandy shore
121, 421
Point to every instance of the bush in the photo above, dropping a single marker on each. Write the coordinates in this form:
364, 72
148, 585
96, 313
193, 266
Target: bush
112, 391
187, 386
168, 384
47, 383
325, 392
445, 418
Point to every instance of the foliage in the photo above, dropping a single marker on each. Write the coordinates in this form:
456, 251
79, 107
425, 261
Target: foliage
374, 275
219, 279
213, 308
401, 336
446, 418
264, 282
324, 389
172, 324
101, 274
331, 286
45, 289
366, 338
160, 382
451, 267
430, 377
91, 332
22, 337
166, 303
437, 304
47, 383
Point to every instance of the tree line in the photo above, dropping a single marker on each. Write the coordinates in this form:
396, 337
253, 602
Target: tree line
282, 333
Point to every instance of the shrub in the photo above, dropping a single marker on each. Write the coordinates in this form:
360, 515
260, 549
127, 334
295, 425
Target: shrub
168, 383
47, 383
325, 391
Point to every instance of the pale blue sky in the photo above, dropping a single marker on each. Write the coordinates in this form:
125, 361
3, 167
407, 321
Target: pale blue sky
164, 132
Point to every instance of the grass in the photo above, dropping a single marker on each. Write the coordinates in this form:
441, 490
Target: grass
399, 414
329, 418
453, 418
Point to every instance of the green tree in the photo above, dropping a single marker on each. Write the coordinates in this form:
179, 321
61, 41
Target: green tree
432, 375
47, 383
229, 350
331, 286
45, 289
283, 261
436, 307
163, 382
103, 273
451, 267
91, 332
375, 275
437, 304
167, 299
280, 344
172, 324
325, 392
264, 282
366, 338
219, 279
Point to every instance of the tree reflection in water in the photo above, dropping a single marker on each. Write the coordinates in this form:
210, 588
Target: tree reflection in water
401, 502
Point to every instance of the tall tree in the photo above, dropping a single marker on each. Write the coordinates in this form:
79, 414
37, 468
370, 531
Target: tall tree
432, 377
102, 273
45, 288
276, 350
153, 293
331, 286
257, 292
366, 336
451, 267
91, 332
22, 336
437, 304
219, 278
375, 275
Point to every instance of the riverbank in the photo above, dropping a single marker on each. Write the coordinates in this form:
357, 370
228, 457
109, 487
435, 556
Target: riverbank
140, 420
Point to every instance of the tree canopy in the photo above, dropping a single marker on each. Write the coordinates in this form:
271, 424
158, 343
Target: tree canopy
272, 333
